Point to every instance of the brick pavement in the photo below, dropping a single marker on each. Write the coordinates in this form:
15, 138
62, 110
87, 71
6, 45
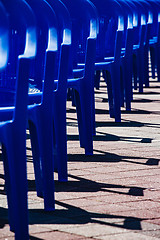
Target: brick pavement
114, 194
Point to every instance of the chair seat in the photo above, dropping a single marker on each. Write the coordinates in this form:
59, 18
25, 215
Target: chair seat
3, 123
79, 72
152, 41
101, 65
135, 47
109, 58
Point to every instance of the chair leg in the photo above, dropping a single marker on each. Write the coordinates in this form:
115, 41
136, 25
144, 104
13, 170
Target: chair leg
135, 71
17, 188
158, 62
9, 189
87, 104
45, 131
153, 61
36, 158
128, 84
59, 113
115, 76
97, 79
107, 78
87, 117
122, 86
80, 120
140, 67
146, 68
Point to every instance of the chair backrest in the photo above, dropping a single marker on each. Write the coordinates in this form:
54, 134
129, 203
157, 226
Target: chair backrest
84, 26
149, 18
64, 24
143, 29
23, 45
90, 55
48, 57
153, 11
4, 38
21, 20
158, 33
108, 12
4, 47
57, 68
129, 38
118, 45
153, 16
119, 39
63, 19
64, 64
127, 10
139, 19
47, 39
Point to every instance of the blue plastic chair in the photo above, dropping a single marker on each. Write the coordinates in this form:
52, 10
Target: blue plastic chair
60, 97
75, 72
150, 27
40, 113
108, 12
154, 39
109, 45
53, 144
64, 25
140, 29
58, 113
155, 50
111, 66
149, 19
63, 19
127, 65
13, 117
128, 9
84, 34
45, 141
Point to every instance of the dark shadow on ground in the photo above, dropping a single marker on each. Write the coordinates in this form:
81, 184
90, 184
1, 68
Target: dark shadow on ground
120, 124
111, 157
111, 137
73, 110
126, 123
70, 214
80, 184
1, 157
136, 111
101, 136
34, 238
123, 111
142, 100
147, 93
75, 215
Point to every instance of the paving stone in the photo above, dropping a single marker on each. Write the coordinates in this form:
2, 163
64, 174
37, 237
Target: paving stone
5, 231
93, 230
59, 235
127, 236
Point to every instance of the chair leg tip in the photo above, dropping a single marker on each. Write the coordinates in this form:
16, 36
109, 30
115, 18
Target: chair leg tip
40, 194
49, 209
63, 179
89, 153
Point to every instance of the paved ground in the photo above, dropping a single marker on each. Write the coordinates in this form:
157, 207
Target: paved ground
114, 194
